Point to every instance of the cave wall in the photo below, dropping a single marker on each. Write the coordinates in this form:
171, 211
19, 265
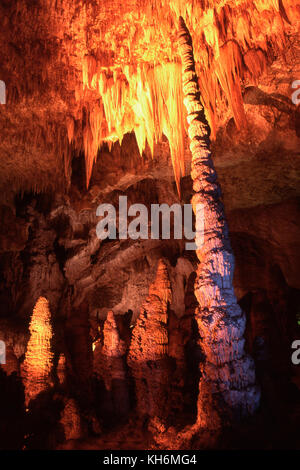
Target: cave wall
55, 253
49, 248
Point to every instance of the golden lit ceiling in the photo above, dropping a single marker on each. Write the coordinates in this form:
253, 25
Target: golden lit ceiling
82, 72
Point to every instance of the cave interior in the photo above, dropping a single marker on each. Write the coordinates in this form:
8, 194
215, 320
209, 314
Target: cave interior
140, 343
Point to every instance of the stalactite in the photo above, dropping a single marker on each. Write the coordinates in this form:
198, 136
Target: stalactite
227, 386
148, 102
147, 99
148, 350
38, 358
124, 75
229, 69
92, 138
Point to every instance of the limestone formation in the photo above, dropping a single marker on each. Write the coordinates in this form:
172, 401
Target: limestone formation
148, 353
113, 351
97, 101
11, 363
227, 386
39, 357
61, 369
110, 366
70, 420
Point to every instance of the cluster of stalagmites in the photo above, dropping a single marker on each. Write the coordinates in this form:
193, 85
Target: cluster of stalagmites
158, 362
144, 359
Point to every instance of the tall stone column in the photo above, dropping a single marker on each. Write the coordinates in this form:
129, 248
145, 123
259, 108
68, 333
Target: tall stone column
227, 386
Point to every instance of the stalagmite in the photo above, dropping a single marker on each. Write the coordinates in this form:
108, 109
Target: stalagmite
70, 420
38, 358
148, 353
110, 366
113, 352
227, 386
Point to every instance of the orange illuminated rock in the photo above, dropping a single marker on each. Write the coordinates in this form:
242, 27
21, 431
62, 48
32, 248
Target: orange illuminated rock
109, 365
125, 77
148, 353
38, 358
108, 357
113, 352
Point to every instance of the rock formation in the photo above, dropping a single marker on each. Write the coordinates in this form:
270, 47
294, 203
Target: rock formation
177, 353
227, 386
97, 358
79, 343
110, 365
39, 357
95, 110
113, 351
61, 369
70, 420
184, 349
98, 103
11, 363
148, 353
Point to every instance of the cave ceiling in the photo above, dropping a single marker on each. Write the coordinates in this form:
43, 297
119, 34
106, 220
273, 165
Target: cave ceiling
79, 74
